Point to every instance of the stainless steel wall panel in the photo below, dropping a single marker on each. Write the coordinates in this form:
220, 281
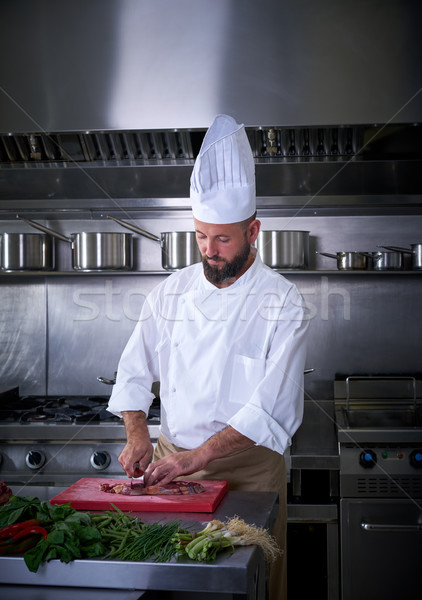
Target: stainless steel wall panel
107, 64
90, 321
361, 325
23, 335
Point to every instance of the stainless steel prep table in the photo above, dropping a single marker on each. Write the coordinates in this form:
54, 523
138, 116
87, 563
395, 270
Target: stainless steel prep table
242, 572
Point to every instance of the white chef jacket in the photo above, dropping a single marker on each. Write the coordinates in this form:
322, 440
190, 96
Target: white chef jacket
230, 356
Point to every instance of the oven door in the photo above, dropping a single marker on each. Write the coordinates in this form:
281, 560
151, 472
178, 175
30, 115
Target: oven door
381, 545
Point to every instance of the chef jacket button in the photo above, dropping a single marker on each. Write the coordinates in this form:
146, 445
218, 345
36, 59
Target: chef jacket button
176, 344
173, 389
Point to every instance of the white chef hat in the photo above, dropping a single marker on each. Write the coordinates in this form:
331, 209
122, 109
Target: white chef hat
222, 185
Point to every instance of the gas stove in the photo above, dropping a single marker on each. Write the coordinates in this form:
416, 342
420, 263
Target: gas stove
54, 441
58, 409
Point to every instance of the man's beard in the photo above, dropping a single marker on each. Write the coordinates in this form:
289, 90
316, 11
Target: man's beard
216, 275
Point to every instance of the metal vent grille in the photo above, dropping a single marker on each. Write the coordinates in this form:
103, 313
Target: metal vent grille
89, 147
300, 144
391, 487
307, 142
153, 146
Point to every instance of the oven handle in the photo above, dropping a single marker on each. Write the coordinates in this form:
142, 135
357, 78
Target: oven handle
390, 527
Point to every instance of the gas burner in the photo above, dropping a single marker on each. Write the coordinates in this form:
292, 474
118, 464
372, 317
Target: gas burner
70, 409
64, 409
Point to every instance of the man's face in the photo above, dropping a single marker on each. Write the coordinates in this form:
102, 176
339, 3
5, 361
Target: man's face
225, 249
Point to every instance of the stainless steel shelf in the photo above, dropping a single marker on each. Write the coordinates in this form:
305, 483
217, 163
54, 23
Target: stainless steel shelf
162, 272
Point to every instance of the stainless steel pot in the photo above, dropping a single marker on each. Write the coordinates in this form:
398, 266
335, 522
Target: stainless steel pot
348, 261
415, 250
284, 249
92, 251
179, 249
26, 252
385, 261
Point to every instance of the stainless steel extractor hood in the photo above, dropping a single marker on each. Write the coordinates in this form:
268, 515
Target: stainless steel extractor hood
110, 99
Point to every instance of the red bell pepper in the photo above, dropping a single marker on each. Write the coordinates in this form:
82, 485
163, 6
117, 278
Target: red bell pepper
18, 538
10, 530
22, 546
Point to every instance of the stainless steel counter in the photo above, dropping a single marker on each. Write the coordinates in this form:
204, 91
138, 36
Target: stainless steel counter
242, 572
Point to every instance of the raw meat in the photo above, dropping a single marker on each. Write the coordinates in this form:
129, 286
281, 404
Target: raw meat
175, 487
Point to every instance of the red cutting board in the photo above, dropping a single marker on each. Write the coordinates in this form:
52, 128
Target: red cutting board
86, 495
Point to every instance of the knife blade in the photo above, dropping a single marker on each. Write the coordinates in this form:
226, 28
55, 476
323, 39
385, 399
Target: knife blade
136, 467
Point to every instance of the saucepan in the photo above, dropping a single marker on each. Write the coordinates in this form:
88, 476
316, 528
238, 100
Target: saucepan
285, 249
26, 252
415, 250
385, 261
92, 251
348, 261
179, 249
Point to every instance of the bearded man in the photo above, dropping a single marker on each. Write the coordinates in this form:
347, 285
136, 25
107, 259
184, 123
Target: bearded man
226, 338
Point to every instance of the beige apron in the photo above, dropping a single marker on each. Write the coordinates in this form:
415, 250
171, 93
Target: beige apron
256, 469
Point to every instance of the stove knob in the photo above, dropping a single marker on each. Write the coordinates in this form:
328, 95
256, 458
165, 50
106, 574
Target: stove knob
367, 459
100, 460
415, 459
35, 459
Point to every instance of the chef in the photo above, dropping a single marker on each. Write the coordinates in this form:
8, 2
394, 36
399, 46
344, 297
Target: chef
226, 339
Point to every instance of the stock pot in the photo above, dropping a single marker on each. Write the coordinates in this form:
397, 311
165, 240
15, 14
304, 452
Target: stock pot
26, 252
179, 249
284, 249
348, 261
92, 251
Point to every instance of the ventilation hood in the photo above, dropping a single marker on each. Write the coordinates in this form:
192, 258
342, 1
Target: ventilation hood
109, 100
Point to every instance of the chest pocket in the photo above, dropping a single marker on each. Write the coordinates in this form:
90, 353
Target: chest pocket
247, 373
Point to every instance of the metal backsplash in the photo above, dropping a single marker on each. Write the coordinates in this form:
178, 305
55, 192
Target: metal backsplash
59, 332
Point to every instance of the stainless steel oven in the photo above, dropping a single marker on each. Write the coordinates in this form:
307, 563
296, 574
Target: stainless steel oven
381, 548
380, 445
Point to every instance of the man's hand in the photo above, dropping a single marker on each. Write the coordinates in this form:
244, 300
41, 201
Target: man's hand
138, 447
221, 444
168, 468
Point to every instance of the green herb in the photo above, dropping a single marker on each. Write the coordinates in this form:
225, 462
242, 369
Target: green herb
156, 541
73, 537
19, 508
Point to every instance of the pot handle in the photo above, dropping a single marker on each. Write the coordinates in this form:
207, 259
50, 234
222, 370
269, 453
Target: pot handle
369, 255
45, 229
397, 249
106, 381
327, 254
151, 236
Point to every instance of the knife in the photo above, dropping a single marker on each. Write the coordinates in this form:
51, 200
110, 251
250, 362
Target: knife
136, 467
